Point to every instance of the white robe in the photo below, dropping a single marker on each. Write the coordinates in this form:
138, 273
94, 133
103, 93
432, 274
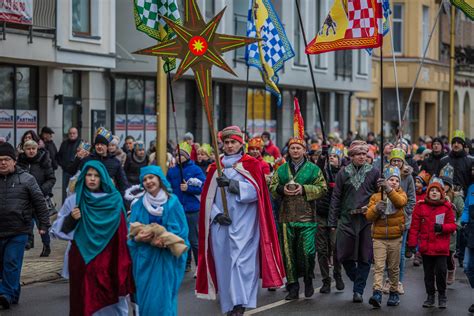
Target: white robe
118, 309
236, 247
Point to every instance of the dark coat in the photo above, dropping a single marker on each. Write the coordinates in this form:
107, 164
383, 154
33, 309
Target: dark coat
132, 168
412, 163
463, 165
432, 163
20, 198
112, 164
53, 153
39, 167
67, 152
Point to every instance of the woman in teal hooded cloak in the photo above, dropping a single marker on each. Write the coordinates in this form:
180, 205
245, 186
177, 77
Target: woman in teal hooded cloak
158, 274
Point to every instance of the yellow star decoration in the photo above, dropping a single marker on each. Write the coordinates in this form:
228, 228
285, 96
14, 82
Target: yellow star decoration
198, 45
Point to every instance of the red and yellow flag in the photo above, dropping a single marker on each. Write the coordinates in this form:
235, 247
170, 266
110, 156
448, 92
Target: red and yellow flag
350, 24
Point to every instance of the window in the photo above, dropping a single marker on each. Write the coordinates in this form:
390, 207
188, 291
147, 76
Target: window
298, 39
320, 59
81, 17
426, 28
240, 24
398, 28
364, 116
343, 66
260, 115
362, 62
210, 9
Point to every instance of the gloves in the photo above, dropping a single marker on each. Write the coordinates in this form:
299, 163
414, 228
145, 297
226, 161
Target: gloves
222, 220
223, 181
381, 206
382, 183
409, 251
438, 228
234, 187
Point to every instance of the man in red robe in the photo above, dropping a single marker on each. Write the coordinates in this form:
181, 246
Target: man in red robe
238, 248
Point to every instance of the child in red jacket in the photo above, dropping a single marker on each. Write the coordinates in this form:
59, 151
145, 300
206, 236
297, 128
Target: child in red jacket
431, 227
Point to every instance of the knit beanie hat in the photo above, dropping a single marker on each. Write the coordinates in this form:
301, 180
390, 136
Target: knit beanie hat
358, 147
233, 132
437, 140
438, 186
6, 149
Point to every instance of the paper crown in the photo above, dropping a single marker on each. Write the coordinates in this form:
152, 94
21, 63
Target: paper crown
397, 153
186, 147
139, 145
459, 134
206, 148
102, 131
85, 145
256, 142
402, 141
391, 172
336, 151
424, 177
447, 172
437, 180
315, 147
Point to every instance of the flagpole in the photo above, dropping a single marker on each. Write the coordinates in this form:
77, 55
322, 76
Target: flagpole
246, 101
381, 111
161, 115
419, 70
315, 89
452, 56
397, 89
175, 126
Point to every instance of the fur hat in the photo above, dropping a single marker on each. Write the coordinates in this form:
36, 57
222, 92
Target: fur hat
233, 132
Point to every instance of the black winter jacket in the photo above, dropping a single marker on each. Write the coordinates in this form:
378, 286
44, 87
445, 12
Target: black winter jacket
53, 153
40, 168
132, 168
463, 165
67, 152
324, 203
431, 164
112, 164
20, 197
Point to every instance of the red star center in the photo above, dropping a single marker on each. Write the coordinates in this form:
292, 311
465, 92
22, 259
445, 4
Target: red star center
198, 45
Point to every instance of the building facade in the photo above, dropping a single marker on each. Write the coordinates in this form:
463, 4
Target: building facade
412, 23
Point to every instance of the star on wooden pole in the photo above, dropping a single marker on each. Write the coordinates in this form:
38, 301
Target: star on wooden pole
199, 47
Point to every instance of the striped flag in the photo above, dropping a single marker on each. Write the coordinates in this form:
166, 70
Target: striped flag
269, 54
386, 22
147, 19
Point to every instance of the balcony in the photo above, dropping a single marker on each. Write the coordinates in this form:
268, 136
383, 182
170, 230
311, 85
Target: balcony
44, 22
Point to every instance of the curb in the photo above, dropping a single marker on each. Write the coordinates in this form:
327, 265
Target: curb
51, 276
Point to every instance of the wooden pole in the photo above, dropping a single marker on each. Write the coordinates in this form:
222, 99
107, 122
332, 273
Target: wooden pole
161, 115
452, 59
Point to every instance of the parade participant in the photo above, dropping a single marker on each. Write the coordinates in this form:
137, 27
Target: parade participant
397, 159
467, 221
157, 273
235, 250
66, 154
432, 163
136, 159
204, 157
46, 136
189, 139
314, 152
298, 183
409, 161
38, 164
115, 151
20, 199
128, 144
462, 163
421, 184
94, 219
388, 220
188, 187
457, 203
325, 236
387, 150
433, 222
100, 153
256, 147
270, 148
355, 184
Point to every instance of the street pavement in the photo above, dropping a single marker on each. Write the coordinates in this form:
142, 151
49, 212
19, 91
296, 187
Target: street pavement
51, 298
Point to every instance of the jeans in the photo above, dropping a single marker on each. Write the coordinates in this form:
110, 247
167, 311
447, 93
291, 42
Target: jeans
45, 238
469, 265
11, 260
435, 269
402, 255
358, 272
193, 221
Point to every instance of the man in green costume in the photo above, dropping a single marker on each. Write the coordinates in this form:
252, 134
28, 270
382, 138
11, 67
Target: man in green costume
299, 183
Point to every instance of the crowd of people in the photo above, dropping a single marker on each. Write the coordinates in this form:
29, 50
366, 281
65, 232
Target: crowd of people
258, 217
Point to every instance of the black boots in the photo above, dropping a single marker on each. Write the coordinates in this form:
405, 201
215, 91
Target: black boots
46, 251
326, 288
339, 283
430, 301
357, 298
293, 291
442, 301
238, 310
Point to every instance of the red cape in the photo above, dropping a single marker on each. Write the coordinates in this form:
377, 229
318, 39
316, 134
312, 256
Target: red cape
272, 270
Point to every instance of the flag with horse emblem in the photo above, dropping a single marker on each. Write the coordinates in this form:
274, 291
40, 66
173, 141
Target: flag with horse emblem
147, 19
350, 24
466, 6
269, 54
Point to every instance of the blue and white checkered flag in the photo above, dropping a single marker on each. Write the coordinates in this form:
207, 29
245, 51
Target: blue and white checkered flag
386, 23
269, 54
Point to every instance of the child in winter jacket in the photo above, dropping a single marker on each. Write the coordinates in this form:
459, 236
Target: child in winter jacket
388, 224
421, 184
432, 224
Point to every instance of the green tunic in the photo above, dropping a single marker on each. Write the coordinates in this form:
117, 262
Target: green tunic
297, 220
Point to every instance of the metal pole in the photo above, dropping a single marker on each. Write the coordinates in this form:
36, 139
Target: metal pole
397, 89
175, 126
452, 59
161, 115
246, 101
